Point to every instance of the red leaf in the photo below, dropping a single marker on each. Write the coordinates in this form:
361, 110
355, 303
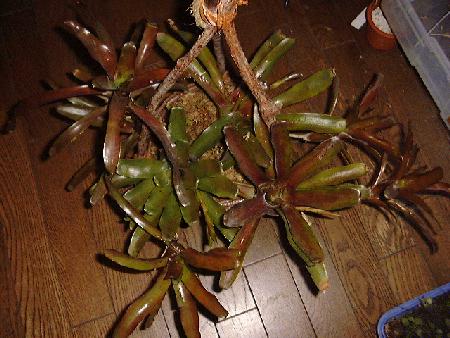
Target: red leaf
145, 47
99, 51
242, 157
247, 210
282, 148
147, 78
111, 148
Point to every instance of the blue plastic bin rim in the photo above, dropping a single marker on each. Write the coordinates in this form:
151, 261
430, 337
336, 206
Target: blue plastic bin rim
408, 306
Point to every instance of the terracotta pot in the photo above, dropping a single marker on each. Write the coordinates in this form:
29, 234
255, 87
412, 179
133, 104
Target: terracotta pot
377, 38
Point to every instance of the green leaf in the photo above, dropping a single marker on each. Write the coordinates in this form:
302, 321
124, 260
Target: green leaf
319, 275
206, 168
266, 47
135, 263
140, 193
131, 211
177, 125
170, 220
312, 86
268, 62
122, 181
319, 123
212, 135
205, 56
125, 66
140, 168
220, 186
175, 50
334, 176
215, 211
155, 204
137, 241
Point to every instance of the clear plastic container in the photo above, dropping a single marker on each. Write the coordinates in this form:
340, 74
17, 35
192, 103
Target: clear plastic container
422, 27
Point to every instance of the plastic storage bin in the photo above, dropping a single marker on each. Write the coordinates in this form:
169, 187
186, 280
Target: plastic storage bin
422, 28
410, 305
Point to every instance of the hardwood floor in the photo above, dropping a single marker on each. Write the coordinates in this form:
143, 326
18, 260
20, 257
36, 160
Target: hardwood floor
52, 285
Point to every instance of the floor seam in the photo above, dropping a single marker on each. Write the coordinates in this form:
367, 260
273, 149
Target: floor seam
91, 320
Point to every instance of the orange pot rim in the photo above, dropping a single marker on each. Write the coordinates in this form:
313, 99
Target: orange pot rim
373, 5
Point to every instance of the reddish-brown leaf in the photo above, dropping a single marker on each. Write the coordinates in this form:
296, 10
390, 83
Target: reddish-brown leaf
142, 80
81, 174
146, 305
371, 93
241, 242
207, 299
218, 259
111, 148
145, 47
75, 130
188, 310
242, 157
99, 51
241, 213
325, 199
303, 237
420, 182
282, 148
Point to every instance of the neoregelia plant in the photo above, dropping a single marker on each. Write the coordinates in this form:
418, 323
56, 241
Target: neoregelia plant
239, 168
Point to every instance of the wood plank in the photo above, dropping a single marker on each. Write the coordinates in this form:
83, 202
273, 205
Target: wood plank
277, 298
408, 274
11, 324
247, 324
330, 312
66, 221
327, 28
265, 243
358, 268
95, 328
34, 289
102, 327
30, 290
236, 299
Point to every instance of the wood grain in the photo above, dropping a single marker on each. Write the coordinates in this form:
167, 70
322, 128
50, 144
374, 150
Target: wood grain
53, 283
279, 304
358, 268
330, 306
95, 328
33, 289
408, 274
265, 243
248, 324
67, 231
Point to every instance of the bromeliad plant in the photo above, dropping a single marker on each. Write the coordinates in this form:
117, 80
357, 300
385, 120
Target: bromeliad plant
239, 168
